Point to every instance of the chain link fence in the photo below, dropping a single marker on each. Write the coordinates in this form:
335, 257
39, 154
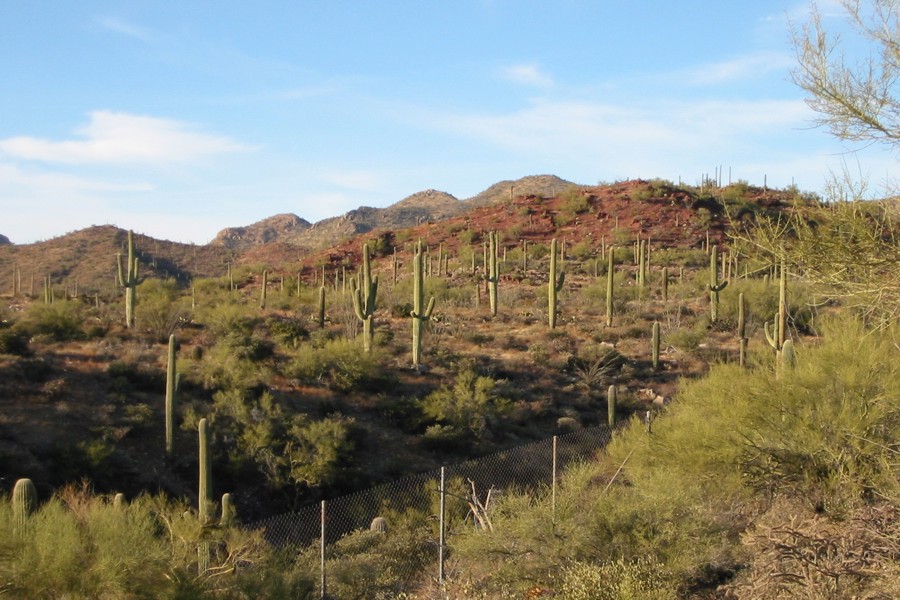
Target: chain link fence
392, 539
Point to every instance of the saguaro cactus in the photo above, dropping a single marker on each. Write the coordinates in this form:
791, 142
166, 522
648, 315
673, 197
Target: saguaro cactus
715, 286
742, 332
322, 306
555, 285
264, 292
171, 389
128, 279
654, 345
229, 512
492, 271
24, 502
610, 275
204, 495
777, 335
420, 313
665, 284
611, 398
363, 296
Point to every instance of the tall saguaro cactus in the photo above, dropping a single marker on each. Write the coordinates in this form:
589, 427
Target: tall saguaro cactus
555, 285
264, 292
363, 296
171, 389
715, 286
654, 345
128, 279
777, 335
610, 276
204, 495
420, 313
492, 271
742, 332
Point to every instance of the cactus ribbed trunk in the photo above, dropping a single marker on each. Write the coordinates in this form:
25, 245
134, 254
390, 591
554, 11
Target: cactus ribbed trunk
363, 295
204, 494
420, 313
24, 502
493, 272
610, 276
171, 389
128, 279
611, 397
714, 285
654, 345
264, 292
742, 332
554, 286
321, 306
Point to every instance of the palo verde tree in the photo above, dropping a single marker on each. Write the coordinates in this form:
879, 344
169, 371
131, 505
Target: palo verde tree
851, 250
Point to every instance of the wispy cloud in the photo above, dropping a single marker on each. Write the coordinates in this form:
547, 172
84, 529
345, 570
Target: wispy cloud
121, 138
739, 68
527, 74
123, 27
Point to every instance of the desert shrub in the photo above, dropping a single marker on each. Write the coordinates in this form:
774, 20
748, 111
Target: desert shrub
228, 318
237, 361
13, 342
161, 308
340, 364
640, 579
60, 321
469, 405
287, 330
79, 545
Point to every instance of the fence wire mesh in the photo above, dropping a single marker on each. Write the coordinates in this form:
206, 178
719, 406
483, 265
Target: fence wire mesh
386, 540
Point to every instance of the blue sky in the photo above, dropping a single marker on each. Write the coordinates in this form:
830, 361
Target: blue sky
177, 119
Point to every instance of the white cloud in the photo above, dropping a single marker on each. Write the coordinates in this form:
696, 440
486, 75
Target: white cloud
527, 75
740, 68
121, 138
121, 26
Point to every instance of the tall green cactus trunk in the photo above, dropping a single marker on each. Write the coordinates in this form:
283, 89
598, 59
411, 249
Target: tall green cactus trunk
363, 296
171, 389
714, 285
321, 311
264, 292
128, 279
420, 313
654, 345
204, 495
742, 332
493, 272
611, 398
554, 286
610, 277
777, 335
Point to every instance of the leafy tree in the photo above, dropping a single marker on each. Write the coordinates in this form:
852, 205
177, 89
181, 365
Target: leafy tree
856, 99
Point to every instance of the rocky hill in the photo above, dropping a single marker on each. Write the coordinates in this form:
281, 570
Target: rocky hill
280, 228
543, 186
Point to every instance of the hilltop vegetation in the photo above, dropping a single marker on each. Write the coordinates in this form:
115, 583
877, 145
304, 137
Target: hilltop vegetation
299, 411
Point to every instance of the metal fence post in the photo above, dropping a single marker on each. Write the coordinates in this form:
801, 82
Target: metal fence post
443, 492
553, 485
322, 586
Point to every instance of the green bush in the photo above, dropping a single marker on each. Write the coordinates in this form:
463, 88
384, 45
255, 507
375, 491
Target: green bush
340, 364
469, 405
60, 321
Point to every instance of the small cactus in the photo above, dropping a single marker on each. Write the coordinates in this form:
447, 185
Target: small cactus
229, 512
379, 524
24, 502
